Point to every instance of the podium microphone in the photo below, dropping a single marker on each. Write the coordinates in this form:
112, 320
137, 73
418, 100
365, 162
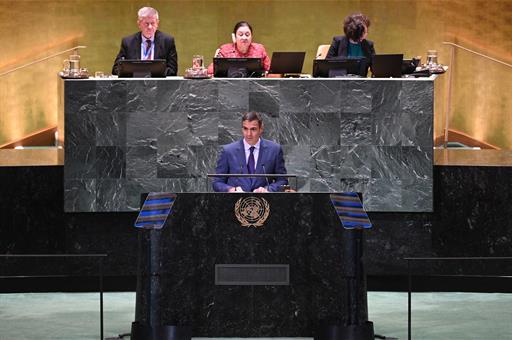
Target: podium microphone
266, 178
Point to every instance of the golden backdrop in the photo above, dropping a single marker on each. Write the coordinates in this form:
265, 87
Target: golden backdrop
481, 104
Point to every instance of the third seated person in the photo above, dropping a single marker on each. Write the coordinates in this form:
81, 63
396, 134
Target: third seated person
242, 47
250, 155
353, 44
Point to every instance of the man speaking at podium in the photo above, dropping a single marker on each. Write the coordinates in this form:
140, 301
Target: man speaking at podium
250, 155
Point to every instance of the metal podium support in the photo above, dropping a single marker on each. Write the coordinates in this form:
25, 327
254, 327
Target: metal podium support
354, 220
152, 217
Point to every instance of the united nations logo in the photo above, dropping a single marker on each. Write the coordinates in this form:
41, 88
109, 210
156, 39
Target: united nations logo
252, 211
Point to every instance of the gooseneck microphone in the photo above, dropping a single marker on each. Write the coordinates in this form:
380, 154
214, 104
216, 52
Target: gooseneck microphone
266, 178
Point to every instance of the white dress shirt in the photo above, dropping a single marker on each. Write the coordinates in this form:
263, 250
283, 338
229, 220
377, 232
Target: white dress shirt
256, 152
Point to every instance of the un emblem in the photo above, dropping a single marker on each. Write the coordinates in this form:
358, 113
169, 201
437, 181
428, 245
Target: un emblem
252, 211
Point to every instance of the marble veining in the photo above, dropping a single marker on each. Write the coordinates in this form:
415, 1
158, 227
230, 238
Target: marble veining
126, 137
471, 217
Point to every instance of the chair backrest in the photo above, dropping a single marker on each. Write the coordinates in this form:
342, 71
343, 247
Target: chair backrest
321, 52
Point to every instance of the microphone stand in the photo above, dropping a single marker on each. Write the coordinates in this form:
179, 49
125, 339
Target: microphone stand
266, 178
254, 176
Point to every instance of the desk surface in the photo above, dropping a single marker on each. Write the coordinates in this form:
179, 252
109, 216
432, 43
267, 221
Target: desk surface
306, 78
464, 157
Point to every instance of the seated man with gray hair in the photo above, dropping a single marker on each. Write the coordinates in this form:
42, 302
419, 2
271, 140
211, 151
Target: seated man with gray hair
149, 43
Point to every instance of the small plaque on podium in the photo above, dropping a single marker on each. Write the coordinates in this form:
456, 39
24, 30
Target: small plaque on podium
349, 208
155, 211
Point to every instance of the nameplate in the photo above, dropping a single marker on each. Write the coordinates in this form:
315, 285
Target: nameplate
252, 274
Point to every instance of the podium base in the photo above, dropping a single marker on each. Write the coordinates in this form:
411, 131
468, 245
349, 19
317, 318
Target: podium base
146, 332
352, 332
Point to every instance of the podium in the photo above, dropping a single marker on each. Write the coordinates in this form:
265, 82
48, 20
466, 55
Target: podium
224, 265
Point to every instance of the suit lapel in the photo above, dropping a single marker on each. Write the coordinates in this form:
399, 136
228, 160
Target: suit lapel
344, 47
138, 43
158, 47
366, 48
240, 157
262, 153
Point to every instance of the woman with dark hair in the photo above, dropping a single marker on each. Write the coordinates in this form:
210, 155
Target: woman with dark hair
353, 44
242, 46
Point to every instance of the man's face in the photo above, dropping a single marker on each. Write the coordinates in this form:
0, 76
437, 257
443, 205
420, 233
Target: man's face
252, 131
148, 26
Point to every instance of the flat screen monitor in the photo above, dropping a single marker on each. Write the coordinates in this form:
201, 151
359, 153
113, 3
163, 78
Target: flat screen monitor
287, 62
237, 67
387, 65
332, 68
131, 68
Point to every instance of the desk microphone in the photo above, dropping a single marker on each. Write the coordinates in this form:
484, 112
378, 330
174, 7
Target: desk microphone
266, 178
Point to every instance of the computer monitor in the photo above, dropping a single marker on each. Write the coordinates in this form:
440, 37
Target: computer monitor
332, 68
387, 65
237, 67
287, 62
131, 68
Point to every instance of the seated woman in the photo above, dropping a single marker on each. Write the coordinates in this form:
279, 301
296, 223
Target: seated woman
242, 47
354, 43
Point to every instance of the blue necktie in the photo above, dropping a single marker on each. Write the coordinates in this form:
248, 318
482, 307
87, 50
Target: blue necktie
250, 162
147, 54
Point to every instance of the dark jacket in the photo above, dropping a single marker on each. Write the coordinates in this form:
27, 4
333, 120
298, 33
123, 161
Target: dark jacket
232, 161
339, 48
164, 49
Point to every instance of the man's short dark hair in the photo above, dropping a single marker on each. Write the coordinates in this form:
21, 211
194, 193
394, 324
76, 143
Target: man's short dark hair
252, 116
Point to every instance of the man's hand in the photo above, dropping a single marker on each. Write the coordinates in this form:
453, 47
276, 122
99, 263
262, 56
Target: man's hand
260, 189
235, 189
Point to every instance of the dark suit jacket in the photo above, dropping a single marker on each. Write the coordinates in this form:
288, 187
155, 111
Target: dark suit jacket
164, 49
339, 48
232, 161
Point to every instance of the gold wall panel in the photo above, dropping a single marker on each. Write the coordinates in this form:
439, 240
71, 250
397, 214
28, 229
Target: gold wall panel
37, 28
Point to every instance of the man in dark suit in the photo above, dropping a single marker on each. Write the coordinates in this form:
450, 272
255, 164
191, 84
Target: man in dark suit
149, 43
250, 155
